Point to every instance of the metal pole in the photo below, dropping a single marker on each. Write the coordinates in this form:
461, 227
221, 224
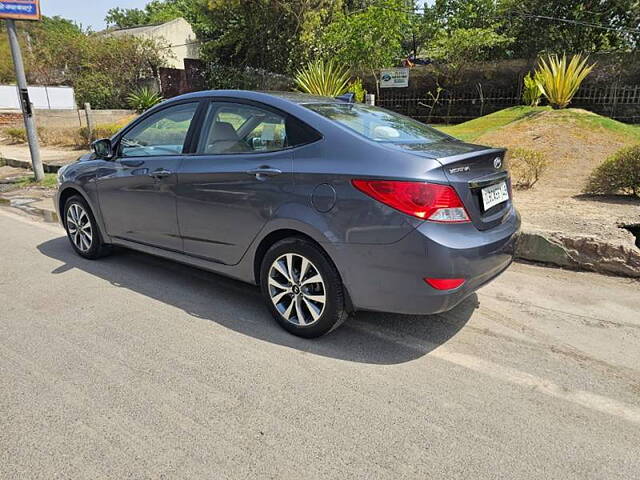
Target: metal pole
25, 103
87, 112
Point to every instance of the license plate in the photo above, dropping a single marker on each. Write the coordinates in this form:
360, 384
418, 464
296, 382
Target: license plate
495, 194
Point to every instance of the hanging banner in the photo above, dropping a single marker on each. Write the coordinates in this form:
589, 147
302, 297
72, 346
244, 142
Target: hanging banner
394, 77
20, 9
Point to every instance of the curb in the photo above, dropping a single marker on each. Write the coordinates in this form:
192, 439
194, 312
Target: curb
12, 162
579, 253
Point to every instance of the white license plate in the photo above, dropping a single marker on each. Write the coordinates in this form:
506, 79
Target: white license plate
495, 194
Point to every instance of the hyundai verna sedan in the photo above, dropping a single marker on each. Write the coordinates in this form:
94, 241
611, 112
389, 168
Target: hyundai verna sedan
329, 206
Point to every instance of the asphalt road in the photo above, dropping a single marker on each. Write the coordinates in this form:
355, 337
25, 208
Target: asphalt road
135, 367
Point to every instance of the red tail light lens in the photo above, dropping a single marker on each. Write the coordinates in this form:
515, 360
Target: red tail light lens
429, 201
445, 283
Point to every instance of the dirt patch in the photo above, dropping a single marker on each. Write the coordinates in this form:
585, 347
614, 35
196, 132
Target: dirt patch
574, 148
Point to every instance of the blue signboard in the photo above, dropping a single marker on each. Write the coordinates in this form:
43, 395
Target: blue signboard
20, 9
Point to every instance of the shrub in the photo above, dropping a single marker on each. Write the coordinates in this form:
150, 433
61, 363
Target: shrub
19, 135
16, 135
620, 173
526, 167
323, 78
531, 92
357, 88
107, 130
98, 89
560, 81
143, 99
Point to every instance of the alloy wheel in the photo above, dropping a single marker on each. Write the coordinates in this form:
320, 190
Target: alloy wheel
297, 289
79, 226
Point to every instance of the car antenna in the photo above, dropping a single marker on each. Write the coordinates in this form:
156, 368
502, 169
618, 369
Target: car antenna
348, 97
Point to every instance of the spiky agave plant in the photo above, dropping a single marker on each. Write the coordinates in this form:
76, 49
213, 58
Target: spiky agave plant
558, 80
323, 78
143, 98
531, 92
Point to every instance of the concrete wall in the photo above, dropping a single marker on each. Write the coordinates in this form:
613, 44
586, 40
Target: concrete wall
61, 98
64, 118
177, 34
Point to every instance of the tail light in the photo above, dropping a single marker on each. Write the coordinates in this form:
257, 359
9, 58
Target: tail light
429, 201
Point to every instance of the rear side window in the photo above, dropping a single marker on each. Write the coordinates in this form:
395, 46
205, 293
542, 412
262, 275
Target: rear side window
377, 124
239, 128
162, 133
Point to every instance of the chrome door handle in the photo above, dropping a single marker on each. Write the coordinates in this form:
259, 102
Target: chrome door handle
263, 172
160, 173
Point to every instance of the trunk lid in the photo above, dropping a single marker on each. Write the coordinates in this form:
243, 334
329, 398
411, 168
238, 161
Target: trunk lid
470, 168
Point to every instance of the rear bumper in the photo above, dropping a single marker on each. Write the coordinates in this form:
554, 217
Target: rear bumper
390, 277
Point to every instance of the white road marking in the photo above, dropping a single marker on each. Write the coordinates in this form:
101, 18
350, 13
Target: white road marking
583, 398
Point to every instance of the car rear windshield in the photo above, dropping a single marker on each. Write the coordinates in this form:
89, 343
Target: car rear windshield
378, 124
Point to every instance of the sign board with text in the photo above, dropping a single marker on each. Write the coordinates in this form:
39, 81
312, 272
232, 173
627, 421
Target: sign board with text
20, 9
394, 78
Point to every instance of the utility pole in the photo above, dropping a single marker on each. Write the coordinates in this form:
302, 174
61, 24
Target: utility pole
25, 103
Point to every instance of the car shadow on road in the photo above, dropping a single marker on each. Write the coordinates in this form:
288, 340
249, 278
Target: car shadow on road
366, 337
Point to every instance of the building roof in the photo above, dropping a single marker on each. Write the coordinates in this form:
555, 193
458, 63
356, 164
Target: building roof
142, 29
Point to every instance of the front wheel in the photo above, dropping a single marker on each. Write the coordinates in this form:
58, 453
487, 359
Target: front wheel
82, 229
302, 288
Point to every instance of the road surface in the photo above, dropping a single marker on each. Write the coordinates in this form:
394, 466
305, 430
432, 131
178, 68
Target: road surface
136, 367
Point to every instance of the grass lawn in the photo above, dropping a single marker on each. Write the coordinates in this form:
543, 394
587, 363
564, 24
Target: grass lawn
473, 129
49, 181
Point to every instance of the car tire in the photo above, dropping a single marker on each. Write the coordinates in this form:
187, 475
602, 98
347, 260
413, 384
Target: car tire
82, 229
308, 304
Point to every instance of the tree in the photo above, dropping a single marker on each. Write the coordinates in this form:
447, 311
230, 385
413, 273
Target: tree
156, 11
275, 36
369, 39
534, 34
102, 70
458, 48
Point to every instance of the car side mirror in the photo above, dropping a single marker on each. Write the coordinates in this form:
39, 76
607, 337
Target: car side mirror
103, 148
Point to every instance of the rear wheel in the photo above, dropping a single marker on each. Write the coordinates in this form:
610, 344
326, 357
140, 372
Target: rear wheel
82, 229
302, 288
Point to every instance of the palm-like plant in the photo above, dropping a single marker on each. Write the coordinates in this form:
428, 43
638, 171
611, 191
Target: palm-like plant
558, 80
143, 99
323, 78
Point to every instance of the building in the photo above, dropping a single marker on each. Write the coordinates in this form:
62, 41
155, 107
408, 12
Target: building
177, 34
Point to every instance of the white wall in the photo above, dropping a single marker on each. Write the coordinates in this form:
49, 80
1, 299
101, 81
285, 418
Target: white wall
59, 98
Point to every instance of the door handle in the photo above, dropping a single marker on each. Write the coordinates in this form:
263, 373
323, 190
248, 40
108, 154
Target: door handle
262, 173
160, 173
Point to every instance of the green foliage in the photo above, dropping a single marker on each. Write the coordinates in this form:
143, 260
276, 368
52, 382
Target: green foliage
560, 81
531, 92
324, 78
143, 98
156, 11
620, 173
103, 70
368, 39
96, 88
356, 88
526, 167
261, 34
535, 35
49, 181
457, 48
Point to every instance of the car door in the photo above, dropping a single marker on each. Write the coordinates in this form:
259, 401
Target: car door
137, 189
240, 176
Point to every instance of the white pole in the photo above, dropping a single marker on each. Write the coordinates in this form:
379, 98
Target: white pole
25, 103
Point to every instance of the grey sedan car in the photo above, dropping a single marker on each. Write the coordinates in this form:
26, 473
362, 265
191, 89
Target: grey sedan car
329, 206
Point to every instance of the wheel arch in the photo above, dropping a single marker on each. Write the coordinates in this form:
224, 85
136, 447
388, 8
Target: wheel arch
69, 191
280, 234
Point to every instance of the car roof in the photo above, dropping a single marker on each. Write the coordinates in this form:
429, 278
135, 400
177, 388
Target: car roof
265, 96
